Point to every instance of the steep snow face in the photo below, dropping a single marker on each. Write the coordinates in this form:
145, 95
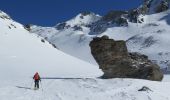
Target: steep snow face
150, 37
22, 54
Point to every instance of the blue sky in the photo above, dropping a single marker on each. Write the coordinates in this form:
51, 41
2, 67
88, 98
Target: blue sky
50, 12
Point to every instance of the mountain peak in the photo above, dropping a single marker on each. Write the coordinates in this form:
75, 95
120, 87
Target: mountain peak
85, 13
84, 18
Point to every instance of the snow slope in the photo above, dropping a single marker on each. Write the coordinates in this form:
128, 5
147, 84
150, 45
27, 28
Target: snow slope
22, 54
70, 41
88, 89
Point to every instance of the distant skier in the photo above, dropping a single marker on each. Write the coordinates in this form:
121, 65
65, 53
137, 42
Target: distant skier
36, 80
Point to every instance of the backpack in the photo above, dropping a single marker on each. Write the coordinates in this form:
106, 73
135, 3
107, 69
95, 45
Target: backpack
36, 76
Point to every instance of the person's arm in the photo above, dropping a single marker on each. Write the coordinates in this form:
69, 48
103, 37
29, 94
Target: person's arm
39, 78
33, 77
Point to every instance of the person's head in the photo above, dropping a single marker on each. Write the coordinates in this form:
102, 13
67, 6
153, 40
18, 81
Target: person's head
36, 73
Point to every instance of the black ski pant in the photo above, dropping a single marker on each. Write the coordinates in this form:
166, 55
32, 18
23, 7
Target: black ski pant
36, 84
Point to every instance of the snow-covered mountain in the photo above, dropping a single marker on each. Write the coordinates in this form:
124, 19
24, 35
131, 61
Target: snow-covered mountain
22, 53
82, 19
149, 37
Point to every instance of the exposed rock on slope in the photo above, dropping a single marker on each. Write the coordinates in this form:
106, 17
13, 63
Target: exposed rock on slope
148, 7
156, 6
4, 15
115, 61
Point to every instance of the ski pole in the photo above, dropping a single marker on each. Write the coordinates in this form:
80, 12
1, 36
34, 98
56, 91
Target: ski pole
41, 85
31, 83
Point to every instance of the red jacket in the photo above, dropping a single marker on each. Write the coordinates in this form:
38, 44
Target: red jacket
36, 76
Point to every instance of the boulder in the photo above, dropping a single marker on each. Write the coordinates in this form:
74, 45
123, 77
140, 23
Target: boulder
116, 62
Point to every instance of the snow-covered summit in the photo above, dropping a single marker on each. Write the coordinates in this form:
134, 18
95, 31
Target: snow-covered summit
84, 18
81, 20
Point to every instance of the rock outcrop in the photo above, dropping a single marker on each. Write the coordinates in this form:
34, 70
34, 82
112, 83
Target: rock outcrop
28, 27
4, 15
115, 61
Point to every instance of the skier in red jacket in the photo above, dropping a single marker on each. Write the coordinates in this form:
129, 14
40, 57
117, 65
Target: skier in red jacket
36, 80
